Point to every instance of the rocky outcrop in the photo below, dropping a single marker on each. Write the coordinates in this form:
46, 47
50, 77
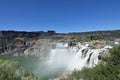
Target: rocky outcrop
21, 42
40, 49
16, 42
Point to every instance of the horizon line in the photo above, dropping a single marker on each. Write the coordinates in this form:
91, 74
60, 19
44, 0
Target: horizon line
60, 32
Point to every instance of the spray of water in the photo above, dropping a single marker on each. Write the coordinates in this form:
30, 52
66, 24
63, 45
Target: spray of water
64, 59
75, 57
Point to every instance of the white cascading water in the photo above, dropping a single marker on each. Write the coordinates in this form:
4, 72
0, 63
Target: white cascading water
75, 57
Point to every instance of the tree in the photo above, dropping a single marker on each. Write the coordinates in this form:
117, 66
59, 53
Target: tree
114, 58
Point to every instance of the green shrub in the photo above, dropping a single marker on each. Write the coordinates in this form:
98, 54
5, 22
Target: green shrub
10, 70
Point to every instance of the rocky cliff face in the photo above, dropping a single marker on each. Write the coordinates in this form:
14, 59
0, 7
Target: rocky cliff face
34, 43
40, 49
12, 42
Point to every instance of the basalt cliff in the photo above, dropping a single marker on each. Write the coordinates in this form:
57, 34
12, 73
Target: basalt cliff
19, 43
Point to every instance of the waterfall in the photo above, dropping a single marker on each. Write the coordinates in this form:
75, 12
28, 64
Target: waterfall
75, 57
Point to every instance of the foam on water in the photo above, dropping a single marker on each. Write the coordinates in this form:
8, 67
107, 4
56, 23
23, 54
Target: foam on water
75, 57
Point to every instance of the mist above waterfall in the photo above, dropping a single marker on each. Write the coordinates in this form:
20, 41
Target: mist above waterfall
75, 57
64, 59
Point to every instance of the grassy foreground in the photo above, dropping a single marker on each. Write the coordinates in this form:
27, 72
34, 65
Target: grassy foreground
10, 70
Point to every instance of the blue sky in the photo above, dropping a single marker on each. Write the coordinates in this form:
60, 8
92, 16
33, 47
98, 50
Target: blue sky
60, 15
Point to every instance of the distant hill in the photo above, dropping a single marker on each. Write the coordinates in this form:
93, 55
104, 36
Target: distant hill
42, 34
108, 33
14, 34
